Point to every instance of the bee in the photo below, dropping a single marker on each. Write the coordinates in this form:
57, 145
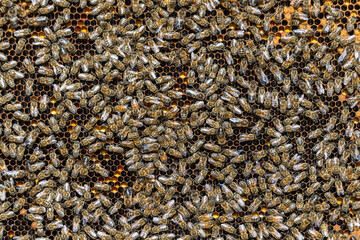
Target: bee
255, 32
102, 187
54, 125
29, 66
187, 39
328, 25
128, 201
252, 91
186, 187
243, 231
75, 133
90, 232
13, 107
21, 116
261, 95
349, 129
344, 115
239, 122
273, 232
63, 119
267, 22
300, 145
333, 12
313, 115
7, 215
263, 113
347, 79
4, 45
256, 129
325, 60
70, 106
216, 47
287, 85
43, 59
246, 137
315, 134
252, 183
344, 41
20, 152
20, 45
18, 204
316, 8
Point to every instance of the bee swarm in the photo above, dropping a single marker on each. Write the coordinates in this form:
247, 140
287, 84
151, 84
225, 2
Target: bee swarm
179, 119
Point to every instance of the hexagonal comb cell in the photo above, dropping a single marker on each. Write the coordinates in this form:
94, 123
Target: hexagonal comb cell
179, 119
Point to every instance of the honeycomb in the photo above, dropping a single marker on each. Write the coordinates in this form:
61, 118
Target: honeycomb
132, 177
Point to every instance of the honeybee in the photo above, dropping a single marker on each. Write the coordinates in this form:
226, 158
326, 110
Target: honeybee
333, 12
344, 115
102, 187
255, 32
328, 25
20, 45
344, 41
261, 76
267, 18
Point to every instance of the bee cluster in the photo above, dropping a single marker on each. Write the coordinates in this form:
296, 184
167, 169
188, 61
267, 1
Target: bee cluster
179, 119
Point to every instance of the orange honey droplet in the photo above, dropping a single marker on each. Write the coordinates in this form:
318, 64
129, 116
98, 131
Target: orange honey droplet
264, 209
73, 123
182, 75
